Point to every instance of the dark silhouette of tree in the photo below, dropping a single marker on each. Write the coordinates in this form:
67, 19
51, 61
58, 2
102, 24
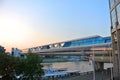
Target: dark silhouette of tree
2, 49
6, 65
29, 67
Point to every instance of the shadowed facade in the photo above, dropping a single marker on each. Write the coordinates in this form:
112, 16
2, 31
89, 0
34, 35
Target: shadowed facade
114, 6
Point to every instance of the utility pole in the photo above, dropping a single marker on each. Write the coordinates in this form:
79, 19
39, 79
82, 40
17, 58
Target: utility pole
93, 62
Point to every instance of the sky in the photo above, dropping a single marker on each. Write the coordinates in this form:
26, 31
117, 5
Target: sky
29, 23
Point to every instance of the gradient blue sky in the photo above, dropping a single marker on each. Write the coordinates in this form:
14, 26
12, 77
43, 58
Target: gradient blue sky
28, 23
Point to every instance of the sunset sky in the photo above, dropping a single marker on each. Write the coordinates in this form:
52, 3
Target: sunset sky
29, 23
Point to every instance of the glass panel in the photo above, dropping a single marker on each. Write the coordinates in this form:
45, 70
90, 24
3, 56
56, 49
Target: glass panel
111, 3
113, 16
86, 42
117, 0
118, 13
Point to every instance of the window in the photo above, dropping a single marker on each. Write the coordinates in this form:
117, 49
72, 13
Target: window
111, 3
116, 0
118, 13
113, 16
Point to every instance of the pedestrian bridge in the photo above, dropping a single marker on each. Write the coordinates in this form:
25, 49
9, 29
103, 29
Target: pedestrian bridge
102, 54
98, 46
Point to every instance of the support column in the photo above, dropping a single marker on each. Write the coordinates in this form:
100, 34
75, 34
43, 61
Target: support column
99, 66
53, 78
116, 53
102, 70
118, 49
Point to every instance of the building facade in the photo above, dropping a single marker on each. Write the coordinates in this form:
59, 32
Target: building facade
16, 52
114, 6
82, 42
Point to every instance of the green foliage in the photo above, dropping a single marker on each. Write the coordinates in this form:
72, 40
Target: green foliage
29, 66
6, 64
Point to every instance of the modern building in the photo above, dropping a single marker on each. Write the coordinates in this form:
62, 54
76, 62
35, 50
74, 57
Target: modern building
16, 52
104, 42
114, 6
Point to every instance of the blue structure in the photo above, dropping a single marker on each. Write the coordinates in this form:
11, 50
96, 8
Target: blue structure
88, 41
82, 42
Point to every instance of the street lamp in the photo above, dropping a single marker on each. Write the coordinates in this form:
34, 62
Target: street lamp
111, 75
93, 62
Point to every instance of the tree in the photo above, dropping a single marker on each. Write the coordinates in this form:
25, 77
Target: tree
6, 65
29, 67
2, 49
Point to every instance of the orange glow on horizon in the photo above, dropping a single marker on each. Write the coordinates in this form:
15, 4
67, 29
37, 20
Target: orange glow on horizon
14, 32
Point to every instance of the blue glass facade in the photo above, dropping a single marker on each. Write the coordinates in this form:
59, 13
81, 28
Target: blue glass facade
115, 12
111, 3
88, 41
45, 47
94, 40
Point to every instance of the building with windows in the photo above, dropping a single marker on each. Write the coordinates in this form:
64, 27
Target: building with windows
92, 40
87, 43
16, 52
114, 6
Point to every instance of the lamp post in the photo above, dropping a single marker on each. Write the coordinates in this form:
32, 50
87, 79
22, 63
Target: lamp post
111, 72
93, 62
